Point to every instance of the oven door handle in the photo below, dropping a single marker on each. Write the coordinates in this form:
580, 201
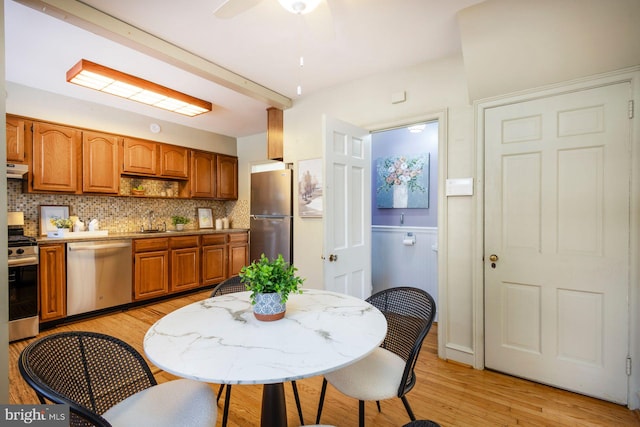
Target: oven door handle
19, 262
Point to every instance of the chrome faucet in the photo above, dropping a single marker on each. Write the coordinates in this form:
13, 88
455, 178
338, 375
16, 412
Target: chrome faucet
150, 214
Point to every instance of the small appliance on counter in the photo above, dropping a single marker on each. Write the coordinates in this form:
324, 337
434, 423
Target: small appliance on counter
23, 280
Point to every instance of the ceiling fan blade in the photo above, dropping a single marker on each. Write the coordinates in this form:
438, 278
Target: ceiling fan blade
231, 8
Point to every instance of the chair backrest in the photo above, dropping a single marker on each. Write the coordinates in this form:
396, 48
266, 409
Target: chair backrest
229, 286
90, 372
409, 312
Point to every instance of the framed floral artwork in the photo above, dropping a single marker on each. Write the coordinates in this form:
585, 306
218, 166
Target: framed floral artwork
49, 212
403, 181
205, 218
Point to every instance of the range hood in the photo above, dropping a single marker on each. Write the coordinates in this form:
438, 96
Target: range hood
15, 170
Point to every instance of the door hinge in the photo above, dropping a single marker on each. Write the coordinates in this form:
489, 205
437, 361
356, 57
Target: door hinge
631, 109
628, 366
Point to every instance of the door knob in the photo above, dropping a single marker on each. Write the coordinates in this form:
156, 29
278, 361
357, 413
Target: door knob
493, 257
333, 258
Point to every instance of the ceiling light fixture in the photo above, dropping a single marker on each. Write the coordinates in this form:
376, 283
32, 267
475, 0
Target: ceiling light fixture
417, 128
94, 76
299, 7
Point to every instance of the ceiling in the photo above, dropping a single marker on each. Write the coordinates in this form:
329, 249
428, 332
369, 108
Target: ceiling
341, 41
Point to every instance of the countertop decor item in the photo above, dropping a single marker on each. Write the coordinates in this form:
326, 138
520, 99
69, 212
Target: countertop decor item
205, 218
270, 283
180, 221
52, 212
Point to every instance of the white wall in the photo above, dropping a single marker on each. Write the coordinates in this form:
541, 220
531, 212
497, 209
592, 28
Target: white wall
430, 87
4, 271
513, 45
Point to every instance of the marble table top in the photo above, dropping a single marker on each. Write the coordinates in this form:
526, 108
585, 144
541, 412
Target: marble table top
219, 340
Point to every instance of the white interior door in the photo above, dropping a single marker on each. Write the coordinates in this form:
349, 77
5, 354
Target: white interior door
557, 219
347, 217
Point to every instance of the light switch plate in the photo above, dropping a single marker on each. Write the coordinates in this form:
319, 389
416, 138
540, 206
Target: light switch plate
459, 187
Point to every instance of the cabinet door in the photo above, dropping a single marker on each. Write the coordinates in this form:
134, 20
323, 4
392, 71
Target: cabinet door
15, 140
238, 252
52, 276
151, 274
203, 175
214, 264
56, 156
185, 269
139, 157
226, 177
100, 172
174, 161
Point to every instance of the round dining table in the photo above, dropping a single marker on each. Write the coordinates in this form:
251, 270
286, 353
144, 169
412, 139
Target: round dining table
218, 340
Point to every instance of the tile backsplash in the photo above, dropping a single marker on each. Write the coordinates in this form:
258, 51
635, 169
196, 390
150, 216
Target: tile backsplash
121, 214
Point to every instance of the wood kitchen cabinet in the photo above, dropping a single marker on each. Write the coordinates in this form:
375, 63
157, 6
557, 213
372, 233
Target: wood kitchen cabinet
238, 252
16, 146
185, 263
275, 134
214, 258
56, 158
139, 157
52, 282
150, 268
203, 174
226, 177
174, 161
100, 168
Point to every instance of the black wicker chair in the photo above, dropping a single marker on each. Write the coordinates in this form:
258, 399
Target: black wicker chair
389, 371
231, 285
106, 382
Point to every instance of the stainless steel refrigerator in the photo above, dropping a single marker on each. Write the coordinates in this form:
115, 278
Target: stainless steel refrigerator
271, 208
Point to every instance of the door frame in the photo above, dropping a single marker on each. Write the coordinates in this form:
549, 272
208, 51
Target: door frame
441, 223
631, 75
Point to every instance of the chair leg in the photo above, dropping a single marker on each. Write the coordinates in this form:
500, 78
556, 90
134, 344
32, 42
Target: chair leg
225, 413
321, 402
295, 394
378, 405
361, 413
219, 393
408, 408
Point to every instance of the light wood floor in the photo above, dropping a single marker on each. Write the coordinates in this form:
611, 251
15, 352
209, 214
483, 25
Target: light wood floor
446, 392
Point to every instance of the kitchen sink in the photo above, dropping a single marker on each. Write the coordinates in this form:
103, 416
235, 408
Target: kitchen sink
151, 231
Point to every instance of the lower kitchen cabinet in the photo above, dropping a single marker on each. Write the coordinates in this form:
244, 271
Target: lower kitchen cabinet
52, 276
151, 268
238, 252
214, 258
185, 263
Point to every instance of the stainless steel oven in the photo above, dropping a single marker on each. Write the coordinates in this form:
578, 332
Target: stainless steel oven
23, 285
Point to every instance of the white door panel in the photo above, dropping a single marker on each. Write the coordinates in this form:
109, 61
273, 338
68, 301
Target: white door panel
557, 217
347, 219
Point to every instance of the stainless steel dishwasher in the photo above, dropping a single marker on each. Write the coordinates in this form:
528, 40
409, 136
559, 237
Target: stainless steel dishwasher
98, 275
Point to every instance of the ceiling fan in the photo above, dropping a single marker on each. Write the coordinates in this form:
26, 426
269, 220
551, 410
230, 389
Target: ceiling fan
230, 8
319, 23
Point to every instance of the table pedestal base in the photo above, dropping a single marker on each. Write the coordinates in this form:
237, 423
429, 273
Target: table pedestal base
274, 407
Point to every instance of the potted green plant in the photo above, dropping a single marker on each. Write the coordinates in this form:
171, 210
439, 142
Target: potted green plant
270, 283
179, 221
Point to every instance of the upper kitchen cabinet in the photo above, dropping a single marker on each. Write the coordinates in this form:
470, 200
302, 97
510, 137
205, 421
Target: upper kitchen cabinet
56, 158
203, 174
100, 171
174, 161
139, 157
226, 177
16, 147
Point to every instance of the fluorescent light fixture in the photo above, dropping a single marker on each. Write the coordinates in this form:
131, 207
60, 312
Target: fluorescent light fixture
299, 7
94, 76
